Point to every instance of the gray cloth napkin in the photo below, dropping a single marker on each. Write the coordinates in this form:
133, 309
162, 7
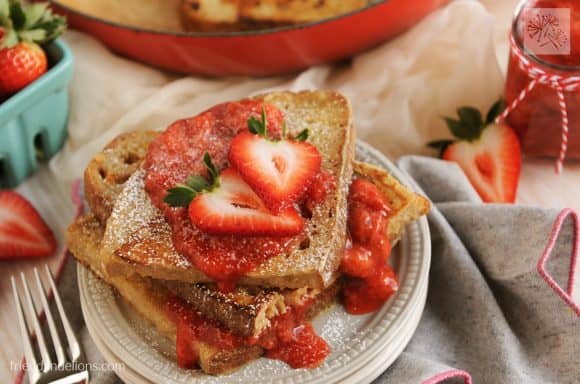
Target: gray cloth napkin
489, 313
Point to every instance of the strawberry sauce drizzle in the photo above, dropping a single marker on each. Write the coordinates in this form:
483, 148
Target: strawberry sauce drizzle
176, 154
369, 280
289, 338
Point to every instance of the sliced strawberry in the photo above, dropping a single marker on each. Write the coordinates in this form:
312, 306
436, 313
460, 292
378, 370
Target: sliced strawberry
234, 208
23, 233
279, 171
492, 164
488, 153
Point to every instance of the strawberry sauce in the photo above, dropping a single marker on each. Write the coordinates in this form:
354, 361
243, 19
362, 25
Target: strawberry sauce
369, 281
177, 154
289, 338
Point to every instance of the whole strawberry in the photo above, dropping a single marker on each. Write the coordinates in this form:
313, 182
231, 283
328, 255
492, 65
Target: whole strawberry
23, 29
489, 153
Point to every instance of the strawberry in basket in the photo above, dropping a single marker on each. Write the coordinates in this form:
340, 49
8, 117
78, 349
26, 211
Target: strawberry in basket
23, 31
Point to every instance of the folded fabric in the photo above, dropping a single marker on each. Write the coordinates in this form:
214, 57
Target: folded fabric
490, 314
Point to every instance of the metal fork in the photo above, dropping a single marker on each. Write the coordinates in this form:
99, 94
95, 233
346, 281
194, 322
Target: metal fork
63, 371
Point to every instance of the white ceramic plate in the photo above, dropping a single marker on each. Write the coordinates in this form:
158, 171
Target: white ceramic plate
362, 346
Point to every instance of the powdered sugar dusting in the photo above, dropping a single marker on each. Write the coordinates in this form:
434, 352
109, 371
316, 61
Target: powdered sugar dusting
133, 219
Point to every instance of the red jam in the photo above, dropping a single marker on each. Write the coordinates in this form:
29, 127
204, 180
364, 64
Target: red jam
288, 339
303, 349
176, 154
324, 183
190, 327
369, 281
538, 120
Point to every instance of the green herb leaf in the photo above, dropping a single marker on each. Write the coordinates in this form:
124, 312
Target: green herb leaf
254, 125
258, 127
197, 183
471, 118
496, 109
213, 172
302, 136
180, 196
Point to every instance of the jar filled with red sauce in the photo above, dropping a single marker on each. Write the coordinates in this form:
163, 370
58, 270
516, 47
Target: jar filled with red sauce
542, 35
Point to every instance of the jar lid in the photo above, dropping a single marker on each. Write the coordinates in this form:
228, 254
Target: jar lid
549, 32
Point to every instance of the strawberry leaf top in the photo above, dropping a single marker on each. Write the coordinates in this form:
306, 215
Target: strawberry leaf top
468, 126
182, 194
302, 136
495, 110
260, 128
34, 23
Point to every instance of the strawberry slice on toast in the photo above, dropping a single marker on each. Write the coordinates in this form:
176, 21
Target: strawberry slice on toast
227, 205
280, 171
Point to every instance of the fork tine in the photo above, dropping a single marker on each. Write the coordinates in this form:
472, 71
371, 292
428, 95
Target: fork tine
73, 344
32, 366
60, 358
81, 377
44, 354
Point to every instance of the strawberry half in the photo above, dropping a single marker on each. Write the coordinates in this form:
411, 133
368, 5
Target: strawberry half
279, 171
23, 233
489, 153
228, 206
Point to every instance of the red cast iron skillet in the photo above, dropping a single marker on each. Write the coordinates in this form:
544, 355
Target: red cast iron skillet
257, 53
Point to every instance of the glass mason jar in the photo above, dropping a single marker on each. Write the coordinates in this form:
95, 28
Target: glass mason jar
545, 50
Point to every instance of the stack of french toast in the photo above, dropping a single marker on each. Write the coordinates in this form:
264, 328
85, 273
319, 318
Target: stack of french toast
229, 231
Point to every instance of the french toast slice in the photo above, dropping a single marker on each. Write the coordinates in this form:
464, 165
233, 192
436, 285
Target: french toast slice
149, 298
137, 232
406, 205
109, 169
241, 15
296, 12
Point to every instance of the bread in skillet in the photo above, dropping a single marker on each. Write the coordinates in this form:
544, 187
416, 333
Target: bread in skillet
242, 15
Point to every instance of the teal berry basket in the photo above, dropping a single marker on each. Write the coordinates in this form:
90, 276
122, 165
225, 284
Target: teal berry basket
33, 122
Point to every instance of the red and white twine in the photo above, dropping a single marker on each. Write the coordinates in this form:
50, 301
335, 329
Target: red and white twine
539, 75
